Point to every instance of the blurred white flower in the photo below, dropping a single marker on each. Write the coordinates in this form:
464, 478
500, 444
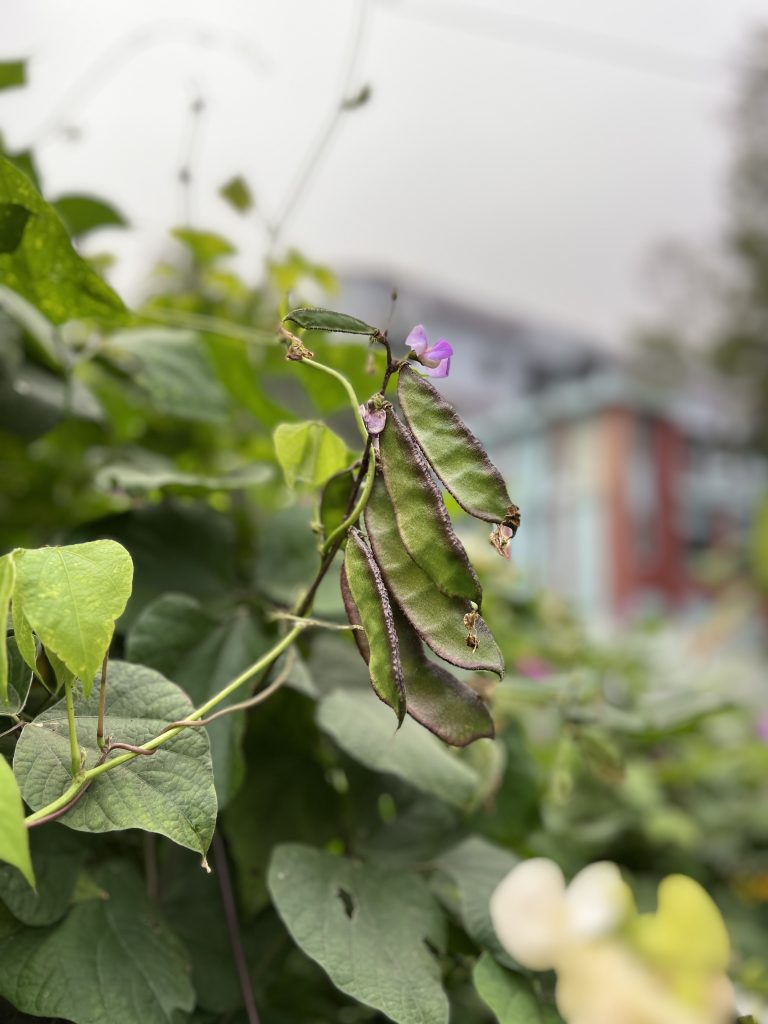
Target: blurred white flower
615, 966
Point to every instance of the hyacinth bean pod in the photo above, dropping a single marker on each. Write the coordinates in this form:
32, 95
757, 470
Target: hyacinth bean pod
435, 698
363, 583
422, 518
452, 450
437, 618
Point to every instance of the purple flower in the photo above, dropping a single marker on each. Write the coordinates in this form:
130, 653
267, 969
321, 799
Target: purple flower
436, 359
761, 728
373, 418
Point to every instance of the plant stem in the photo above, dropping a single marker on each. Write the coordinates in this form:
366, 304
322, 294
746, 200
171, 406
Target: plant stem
353, 399
233, 927
74, 749
102, 703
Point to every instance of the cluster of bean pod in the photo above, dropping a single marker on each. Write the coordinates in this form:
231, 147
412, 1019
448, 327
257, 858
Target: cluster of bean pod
408, 580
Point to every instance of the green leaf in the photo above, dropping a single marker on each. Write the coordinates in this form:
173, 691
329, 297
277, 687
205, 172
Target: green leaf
335, 501
13, 73
437, 618
365, 730
237, 194
45, 269
422, 518
452, 449
173, 368
57, 855
367, 927
22, 633
205, 246
475, 867
309, 452
40, 334
327, 320
509, 995
14, 838
170, 792
71, 598
177, 637
83, 214
367, 604
109, 960
146, 472
13, 220
7, 580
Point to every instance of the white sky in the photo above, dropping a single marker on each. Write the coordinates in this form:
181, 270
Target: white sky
529, 154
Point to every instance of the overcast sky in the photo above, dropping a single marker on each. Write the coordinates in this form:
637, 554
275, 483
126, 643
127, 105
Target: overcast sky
527, 154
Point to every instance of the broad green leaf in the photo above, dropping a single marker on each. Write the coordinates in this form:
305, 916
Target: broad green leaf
509, 995
367, 927
422, 518
205, 246
13, 73
237, 194
57, 855
475, 867
170, 792
71, 598
452, 449
437, 618
309, 452
177, 637
367, 604
149, 472
286, 795
14, 838
7, 580
366, 731
173, 368
110, 960
45, 269
22, 632
13, 220
83, 214
328, 320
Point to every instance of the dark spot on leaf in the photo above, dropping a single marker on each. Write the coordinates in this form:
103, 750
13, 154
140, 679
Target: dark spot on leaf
347, 902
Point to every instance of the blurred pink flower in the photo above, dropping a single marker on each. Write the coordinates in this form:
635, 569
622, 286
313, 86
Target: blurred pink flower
761, 728
532, 667
436, 359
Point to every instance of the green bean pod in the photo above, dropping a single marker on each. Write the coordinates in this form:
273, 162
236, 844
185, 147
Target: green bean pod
452, 450
437, 618
422, 518
364, 586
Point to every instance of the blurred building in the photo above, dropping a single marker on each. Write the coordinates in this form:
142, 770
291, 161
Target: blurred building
629, 487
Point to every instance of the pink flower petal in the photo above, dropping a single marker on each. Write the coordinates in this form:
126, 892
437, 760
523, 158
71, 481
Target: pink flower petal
442, 369
440, 350
417, 340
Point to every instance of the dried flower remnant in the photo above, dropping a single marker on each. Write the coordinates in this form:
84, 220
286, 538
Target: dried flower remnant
500, 537
470, 623
436, 359
512, 519
374, 416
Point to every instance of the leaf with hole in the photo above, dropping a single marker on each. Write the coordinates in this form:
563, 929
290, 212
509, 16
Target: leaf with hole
44, 268
422, 518
313, 319
71, 597
362, 583
111, 959
437, 618
452, 450
372, 930
170, 792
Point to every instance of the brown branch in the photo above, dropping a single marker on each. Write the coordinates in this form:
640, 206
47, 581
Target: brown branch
233, 927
